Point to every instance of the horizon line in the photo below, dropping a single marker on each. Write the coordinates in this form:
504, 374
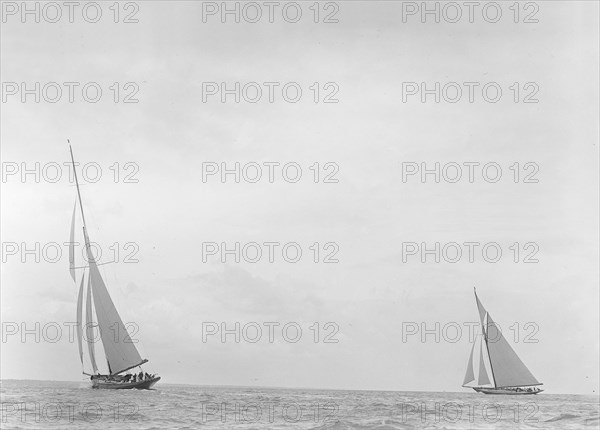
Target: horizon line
296, 388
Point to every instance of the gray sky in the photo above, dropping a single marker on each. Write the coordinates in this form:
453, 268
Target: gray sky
369, 213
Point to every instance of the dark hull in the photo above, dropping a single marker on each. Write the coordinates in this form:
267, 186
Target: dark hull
505, 391
113, 385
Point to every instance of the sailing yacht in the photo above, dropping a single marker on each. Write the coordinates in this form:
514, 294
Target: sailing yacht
119, 350
509, 376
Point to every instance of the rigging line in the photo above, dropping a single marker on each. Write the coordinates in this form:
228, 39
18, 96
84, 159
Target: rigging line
76, 183
97, 264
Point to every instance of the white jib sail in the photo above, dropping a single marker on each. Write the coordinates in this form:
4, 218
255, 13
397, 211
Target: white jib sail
79, 318
89, 326
470, 376
483, 376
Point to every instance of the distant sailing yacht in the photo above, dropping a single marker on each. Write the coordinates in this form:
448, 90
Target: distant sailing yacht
509, 375
121, 353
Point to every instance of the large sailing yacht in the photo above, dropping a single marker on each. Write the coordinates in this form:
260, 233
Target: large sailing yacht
119, 350
508, 373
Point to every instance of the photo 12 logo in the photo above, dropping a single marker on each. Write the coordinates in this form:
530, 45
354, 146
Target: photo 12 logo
471, 252
53, 172
270, 252
254, 332
269, 92
69, 12
56, 413
452, 172
453, 332
270, 171
52, 252
268, 412
54, 332
471, 92
69, 92
251, 12
452, 12
476, 412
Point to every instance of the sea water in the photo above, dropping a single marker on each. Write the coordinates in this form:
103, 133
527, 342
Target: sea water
64, 405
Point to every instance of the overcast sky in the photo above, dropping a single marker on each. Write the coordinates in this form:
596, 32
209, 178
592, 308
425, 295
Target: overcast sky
371, 294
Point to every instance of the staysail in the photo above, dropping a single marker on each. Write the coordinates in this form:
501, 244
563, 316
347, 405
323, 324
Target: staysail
483, 376
89, 326
79, 318
470, 376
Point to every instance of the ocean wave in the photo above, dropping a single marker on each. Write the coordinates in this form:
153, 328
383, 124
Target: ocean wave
562, 417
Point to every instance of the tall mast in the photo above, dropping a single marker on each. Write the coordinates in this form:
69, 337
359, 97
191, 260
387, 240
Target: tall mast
85, 235
486, 342
490, 357
76, 183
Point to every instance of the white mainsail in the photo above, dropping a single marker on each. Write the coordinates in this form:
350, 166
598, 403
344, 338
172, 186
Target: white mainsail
121, 353
509, 370
506, 367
